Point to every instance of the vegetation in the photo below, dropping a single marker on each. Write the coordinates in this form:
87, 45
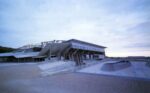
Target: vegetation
6, 49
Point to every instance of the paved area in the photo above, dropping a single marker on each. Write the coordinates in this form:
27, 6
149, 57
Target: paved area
115, 68
27, 79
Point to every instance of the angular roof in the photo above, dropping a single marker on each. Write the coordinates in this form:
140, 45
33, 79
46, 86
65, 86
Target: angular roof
79, 41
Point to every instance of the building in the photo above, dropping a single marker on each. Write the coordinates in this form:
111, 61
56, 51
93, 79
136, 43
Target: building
73, 49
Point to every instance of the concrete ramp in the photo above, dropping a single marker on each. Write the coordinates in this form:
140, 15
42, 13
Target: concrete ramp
54, 49
115, 66
56, 67
44, 51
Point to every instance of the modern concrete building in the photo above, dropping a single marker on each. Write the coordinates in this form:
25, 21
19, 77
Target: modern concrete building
73, 49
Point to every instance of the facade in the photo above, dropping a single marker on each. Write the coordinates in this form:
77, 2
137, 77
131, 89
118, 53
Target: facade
73, 49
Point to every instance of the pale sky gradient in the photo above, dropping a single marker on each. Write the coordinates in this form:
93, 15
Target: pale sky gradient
121, 25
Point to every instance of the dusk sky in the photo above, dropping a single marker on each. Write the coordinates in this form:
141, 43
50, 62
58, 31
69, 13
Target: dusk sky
123, 26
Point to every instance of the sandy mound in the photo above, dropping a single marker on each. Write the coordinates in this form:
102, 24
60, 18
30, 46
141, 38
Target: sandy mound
115, 66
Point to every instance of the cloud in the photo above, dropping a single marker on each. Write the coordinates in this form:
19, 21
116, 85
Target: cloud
115, 24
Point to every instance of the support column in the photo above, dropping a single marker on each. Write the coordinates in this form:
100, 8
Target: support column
66, 53
74, 54
59, 55
89, 56
49, 56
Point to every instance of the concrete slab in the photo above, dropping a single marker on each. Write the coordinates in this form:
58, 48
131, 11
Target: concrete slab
27, 79
132, 69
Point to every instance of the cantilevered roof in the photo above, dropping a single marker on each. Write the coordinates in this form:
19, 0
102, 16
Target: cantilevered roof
79, 41
77, 44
